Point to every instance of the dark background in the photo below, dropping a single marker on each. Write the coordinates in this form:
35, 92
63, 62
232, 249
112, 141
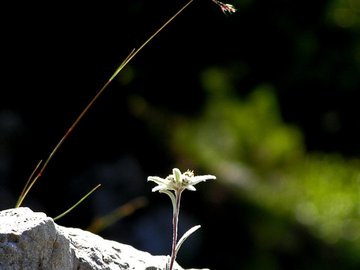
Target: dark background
56, 56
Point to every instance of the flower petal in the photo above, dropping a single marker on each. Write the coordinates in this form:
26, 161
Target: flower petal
191, 188
201, 178
177, 175
159, 188
157, 180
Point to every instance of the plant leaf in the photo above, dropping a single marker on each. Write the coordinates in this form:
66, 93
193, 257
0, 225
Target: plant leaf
76, 204
184, 237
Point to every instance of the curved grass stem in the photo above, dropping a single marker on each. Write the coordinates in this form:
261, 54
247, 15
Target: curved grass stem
38, 171
76, 204
28, 185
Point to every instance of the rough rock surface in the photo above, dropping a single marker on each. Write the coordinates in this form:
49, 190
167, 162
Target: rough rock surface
31, 240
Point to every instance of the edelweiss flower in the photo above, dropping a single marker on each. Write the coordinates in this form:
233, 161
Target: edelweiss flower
226, 8
173, 186
178, 181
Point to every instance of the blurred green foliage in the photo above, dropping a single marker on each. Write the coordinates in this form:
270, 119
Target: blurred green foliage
232, 129
248, 146
345, 13
244, 141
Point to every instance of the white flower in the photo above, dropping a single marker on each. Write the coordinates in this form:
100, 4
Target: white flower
178, 181
173, 185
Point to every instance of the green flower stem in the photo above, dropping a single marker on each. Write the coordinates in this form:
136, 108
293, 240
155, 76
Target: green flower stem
176, 213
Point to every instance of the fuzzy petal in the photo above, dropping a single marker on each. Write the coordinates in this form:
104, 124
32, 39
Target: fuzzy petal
201, 178
159, 188
177, 175
191, 188
157, 180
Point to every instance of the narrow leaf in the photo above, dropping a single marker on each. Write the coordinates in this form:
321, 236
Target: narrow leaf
184, 237
29, 183
76, 204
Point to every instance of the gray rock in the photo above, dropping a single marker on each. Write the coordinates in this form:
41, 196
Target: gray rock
31, 240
